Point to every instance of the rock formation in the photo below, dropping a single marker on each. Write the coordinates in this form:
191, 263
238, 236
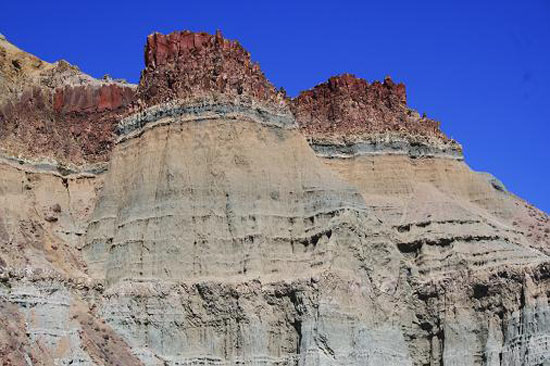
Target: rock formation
185, 65
348, 116
203, 218
56, 112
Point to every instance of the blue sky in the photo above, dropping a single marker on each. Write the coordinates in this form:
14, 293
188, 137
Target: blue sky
480, 67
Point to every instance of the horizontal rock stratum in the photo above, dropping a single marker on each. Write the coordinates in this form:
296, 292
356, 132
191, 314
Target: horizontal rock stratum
202, 217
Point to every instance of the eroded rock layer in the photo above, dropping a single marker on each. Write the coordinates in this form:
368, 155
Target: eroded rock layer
471, 246
184, 65
56, 112
215, 227
346, 116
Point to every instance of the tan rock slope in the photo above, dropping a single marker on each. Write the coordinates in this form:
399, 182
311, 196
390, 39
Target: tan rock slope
190, 222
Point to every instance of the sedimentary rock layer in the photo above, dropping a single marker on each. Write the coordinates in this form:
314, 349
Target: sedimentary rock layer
470, 245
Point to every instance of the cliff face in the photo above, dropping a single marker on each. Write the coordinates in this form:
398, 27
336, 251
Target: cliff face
471, 246
215, 199
233, 226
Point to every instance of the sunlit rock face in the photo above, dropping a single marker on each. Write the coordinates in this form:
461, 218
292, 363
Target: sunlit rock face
215, 199
469, 245
219, 184
184, 64
203, 218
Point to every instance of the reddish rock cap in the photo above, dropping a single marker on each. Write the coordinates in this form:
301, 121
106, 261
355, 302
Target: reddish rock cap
186, 64
346, 105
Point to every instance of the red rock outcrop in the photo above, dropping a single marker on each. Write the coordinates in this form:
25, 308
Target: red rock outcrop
184, 64
71, 124
55, 110
347, 105
85, 99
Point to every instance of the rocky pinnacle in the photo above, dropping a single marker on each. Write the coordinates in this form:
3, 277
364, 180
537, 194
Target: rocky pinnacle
184, 64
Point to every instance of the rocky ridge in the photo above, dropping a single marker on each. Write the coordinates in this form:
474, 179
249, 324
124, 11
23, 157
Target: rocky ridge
347, 116
462, 234
218, 234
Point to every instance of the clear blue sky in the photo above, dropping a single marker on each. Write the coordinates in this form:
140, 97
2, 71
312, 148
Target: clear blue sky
480, 67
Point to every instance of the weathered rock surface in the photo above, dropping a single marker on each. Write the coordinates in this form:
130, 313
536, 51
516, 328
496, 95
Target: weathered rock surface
184, 65
216, 235
55, 111
475, 252
346, 116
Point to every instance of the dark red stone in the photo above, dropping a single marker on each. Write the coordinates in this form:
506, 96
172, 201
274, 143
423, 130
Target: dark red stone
70, 123
346, 105
186, 64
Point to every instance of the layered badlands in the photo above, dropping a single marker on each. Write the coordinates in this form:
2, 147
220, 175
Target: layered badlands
203, 218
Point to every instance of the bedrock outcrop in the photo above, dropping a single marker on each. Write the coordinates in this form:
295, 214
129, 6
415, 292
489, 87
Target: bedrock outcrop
183, 65
215, 199
55, 111
461, 233
214, 230
348, 116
